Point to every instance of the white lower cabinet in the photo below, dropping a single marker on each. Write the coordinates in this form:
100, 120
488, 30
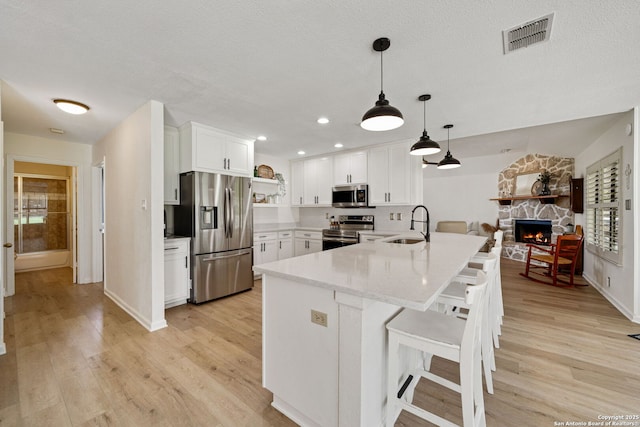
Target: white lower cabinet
285, 244
307, 242
176, 272
265, 247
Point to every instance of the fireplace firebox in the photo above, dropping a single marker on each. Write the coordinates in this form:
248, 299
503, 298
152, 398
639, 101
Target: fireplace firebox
533, 231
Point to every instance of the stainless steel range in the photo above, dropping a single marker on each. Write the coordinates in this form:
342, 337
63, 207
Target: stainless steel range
347, 231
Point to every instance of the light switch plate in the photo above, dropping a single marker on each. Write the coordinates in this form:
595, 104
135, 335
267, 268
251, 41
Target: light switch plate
627, 204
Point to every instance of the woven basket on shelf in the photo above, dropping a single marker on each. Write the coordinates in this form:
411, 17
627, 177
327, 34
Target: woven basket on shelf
265, 171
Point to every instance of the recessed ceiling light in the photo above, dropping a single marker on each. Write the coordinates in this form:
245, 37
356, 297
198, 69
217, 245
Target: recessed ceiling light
71, 107
262, 138
323, 120
55, 130
301, 152
338, 145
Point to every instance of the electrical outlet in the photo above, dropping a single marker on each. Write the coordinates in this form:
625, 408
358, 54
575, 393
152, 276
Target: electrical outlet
399, 216
326, 215
391, 216
319, 318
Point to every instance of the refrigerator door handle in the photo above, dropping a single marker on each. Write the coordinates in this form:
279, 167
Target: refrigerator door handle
232, 213
226, 212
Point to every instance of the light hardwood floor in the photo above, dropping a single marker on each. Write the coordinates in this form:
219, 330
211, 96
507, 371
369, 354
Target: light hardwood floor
75, 358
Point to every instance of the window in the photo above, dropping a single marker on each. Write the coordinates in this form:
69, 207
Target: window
604, 198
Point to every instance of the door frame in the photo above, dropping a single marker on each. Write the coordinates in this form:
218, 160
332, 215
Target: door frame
8, 223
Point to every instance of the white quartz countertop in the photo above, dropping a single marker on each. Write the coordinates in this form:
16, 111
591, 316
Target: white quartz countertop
407, 275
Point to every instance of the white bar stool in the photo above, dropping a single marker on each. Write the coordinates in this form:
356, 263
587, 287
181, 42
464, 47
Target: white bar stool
454, 296
445, 336
498, 237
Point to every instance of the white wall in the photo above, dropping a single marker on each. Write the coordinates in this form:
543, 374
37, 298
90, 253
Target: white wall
44, 150
463, 194
598, 272
134, 259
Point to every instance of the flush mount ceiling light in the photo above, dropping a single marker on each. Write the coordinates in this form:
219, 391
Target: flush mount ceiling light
338, 145
71, 107
301, 153
261, 138
382, 116
425, 145
449, 162
323, 120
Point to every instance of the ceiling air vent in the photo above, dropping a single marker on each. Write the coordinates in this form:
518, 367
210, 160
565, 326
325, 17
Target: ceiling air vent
524, 35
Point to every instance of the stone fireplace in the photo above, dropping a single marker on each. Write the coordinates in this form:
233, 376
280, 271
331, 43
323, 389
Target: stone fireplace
555, 213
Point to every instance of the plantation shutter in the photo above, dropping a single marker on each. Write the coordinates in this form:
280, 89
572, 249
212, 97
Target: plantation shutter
604, 196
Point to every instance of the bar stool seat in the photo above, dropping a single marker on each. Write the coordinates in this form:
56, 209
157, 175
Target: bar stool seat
438, 334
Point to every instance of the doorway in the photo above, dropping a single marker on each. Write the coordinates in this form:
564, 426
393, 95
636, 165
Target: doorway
32, 216
42, 216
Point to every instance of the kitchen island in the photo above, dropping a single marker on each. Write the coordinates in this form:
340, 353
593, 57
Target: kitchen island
324, 317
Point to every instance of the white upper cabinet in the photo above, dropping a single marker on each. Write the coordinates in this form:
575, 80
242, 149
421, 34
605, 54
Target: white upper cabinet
350, 168
297, 183
171, 166
395, 177
317, 181
206, 149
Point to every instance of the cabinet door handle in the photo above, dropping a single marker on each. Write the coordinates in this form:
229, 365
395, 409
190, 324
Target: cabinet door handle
185, 263
171, 249
175, 193
300, 199
228, 163
280, 244
389, 196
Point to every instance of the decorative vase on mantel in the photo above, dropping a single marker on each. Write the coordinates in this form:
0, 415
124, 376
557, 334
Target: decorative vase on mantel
545, 191
544, 179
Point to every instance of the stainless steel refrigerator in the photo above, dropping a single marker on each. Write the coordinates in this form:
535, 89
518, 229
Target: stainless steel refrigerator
216, 212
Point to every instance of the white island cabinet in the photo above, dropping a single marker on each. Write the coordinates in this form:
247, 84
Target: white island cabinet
324, 316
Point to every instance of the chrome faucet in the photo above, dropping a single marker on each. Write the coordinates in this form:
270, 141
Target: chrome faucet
427, 236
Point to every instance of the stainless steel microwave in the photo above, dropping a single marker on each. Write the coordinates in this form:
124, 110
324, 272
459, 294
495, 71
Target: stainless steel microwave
350, 196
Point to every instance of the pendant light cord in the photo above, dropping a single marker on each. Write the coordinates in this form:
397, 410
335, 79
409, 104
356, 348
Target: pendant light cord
448, 129
381, 73
424, 115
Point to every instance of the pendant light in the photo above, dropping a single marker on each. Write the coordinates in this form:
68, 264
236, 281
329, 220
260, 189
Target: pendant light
425, 145
382, 116
426, 163
449, 162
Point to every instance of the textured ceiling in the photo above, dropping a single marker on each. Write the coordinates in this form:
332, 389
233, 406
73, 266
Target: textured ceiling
272, 68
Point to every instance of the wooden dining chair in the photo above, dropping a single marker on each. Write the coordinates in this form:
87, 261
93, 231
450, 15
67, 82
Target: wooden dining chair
559, 258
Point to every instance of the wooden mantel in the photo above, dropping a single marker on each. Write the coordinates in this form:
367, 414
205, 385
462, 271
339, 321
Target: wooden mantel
548, 199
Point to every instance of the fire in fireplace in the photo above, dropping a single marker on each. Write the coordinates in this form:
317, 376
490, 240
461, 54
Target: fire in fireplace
533, 231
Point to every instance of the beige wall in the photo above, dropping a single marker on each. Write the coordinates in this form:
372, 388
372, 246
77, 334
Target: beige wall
133, 157
41, 169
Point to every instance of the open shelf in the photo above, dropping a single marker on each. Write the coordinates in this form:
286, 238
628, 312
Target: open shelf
548, 199
265, 181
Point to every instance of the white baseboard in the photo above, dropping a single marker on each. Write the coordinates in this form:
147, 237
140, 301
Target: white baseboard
617, 304
135, 314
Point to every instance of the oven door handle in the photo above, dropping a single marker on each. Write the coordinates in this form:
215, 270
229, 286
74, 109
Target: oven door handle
339, 240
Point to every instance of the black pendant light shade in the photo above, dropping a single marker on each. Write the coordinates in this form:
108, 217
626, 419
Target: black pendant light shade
382, 116
425, 145
449, 162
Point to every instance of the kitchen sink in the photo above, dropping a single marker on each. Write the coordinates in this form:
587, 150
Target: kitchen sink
405, 241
